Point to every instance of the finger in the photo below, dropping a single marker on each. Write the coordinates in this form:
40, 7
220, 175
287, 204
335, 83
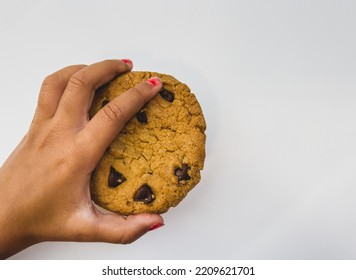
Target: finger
117, 229
109, 121
78, 94
51, 91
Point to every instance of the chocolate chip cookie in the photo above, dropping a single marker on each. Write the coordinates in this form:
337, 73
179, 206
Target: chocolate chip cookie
157, 158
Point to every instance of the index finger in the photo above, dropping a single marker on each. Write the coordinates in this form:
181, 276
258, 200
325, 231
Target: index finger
79, 92
108, 122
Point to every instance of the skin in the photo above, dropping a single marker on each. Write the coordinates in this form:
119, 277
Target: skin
44, 184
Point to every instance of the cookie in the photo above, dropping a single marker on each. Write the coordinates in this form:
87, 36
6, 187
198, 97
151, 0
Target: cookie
157, 157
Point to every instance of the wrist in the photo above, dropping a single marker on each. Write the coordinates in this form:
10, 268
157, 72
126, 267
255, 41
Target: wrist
14, 235
13, 239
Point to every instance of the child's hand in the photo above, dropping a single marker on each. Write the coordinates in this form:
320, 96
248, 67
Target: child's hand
44, 184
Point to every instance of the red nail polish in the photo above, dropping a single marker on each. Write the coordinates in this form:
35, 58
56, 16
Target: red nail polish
156, 226
155, 81
126, 61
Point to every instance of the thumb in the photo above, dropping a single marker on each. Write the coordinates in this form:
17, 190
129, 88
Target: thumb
113, 228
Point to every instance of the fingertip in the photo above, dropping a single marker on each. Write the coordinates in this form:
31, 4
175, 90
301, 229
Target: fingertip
155, 82
155, 226
154, 86
148, 221
128, 62
142, 224
157, 222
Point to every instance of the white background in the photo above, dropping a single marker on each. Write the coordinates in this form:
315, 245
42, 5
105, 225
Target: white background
276, 80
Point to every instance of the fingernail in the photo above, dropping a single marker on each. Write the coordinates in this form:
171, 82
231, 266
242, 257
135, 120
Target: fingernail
126, 61
155, 81
156, 226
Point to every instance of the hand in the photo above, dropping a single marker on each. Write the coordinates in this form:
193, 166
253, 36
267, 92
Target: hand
44, 184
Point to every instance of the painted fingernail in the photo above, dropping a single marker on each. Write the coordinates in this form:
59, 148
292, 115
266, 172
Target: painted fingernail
155, 81
126, 61
156, 226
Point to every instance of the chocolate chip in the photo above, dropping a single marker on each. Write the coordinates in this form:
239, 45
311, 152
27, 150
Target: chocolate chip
141, 116
115, 178
169, 96
105, 101
182, 173
145, 194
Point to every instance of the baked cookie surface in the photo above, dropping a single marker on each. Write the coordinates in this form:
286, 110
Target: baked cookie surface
156, 159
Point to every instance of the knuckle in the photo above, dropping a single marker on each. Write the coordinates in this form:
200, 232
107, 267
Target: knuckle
138, 92
113, 112
78, 80
49, 81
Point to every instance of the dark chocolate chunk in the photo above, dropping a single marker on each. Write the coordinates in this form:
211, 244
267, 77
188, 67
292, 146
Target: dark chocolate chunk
141, 116
115, 178
105, 101
182, 173
145, 194
169, 96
